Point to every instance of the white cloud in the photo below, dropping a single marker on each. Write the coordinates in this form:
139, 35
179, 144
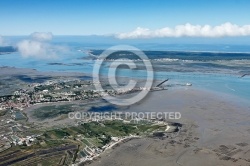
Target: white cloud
30, 48
38, 47
42, 36
189, 30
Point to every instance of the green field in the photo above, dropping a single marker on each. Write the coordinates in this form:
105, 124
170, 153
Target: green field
66, 144
52, 111
100, 133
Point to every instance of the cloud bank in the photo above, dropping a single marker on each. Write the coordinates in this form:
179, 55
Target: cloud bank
42, 36
188, 30
38, 46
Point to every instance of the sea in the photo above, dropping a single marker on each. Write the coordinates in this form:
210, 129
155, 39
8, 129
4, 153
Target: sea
216, 67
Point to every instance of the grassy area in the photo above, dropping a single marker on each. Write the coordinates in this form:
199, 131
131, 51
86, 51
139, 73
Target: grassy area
3, 112
54, 143
92, 134
52, 111
56, 134
100, 134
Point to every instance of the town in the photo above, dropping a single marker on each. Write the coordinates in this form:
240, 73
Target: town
81, 141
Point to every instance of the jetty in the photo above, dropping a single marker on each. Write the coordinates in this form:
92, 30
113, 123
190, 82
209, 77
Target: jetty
162, 83
244, 75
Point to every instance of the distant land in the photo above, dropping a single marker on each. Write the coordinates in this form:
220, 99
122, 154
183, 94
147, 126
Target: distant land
183, 55
7, 49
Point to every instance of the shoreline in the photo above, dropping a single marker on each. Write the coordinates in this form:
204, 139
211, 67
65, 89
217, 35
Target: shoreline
107, 150
21, 70
211, 120
176, 77
210, 124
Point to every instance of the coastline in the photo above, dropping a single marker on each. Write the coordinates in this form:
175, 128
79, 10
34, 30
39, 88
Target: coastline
211, 123
108, 150
227, 83
216, 125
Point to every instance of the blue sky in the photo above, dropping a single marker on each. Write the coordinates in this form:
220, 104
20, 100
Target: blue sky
87, 17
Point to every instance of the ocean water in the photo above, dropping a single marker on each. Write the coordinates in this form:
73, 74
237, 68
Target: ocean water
212, 67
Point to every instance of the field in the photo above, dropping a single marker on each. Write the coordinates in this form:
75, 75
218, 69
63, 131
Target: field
64, 146
52, 111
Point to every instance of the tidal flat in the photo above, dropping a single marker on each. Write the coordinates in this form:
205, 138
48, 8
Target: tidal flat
215, 127
215, 132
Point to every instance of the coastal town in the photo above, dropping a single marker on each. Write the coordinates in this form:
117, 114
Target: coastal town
82, 141
59, 91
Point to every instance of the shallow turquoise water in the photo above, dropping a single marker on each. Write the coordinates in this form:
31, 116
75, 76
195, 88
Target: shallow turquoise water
73, 62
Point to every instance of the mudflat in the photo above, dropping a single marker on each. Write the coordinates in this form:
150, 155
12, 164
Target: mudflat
215, 132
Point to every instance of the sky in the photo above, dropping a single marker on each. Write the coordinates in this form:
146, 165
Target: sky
123, 18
